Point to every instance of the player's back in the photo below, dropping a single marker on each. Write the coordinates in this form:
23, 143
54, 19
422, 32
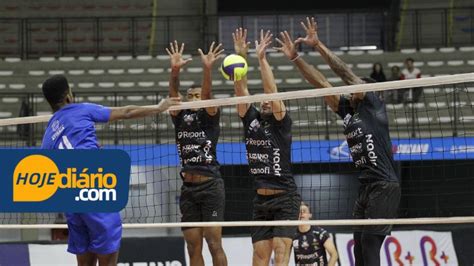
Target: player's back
72, 127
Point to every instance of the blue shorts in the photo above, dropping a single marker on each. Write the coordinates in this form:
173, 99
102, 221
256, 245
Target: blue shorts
98, 233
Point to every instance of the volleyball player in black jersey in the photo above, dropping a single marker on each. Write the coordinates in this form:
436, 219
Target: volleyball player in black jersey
311, 243
268, 142
367, 134
197, 132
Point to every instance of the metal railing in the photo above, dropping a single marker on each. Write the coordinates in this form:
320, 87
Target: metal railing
437, 27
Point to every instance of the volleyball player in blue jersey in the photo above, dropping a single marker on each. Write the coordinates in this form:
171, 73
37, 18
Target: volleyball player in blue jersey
93, 237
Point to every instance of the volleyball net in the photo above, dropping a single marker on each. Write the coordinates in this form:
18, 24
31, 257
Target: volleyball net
432, 136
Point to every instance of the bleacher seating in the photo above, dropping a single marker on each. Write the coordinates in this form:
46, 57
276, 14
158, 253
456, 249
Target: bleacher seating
142, 80
78, 30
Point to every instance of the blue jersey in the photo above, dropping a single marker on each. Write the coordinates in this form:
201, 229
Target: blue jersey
72, 127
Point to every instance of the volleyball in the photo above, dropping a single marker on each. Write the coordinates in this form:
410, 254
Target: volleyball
234, 67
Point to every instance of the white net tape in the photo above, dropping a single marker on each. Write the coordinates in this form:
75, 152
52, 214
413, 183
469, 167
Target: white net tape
291, 95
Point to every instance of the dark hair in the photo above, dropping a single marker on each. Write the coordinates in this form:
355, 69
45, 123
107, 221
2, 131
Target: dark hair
373, 67
55, 90
305, 204
409, 59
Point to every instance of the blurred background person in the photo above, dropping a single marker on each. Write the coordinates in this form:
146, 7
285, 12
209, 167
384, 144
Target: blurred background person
411, 72
377, 73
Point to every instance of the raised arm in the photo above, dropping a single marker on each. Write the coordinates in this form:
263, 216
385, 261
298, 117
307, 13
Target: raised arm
241, 47
132, 111
336, 64
207, 62
268, 80
309, 72
177, 62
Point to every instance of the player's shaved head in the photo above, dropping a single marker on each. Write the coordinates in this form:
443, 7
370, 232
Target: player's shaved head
55, 90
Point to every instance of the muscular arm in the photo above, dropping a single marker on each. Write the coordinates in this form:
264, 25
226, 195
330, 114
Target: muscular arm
208, 61
317, 79
206, 93
174, 87
241, 47
309, 72
174, 83
132, 111
269, 86
340, 68
177, 62
268, 80
241, 89
331, 249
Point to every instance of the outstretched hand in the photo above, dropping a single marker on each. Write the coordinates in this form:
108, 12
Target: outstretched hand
265, 41
176, 55
287, 45
209, 58
168, 102
241, 46
311, 28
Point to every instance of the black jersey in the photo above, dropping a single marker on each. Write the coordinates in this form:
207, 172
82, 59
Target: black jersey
309, 247
368, 138
197, 134
268, 143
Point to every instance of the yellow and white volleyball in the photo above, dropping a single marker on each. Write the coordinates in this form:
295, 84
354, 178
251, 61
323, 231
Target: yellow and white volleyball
234, 67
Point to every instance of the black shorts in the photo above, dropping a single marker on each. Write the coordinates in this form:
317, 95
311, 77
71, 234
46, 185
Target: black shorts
283, 206
202, 202
377, 200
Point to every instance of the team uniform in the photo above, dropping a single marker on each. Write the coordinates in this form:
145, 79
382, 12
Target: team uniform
367, 133
72, 127
268, 143
309, 247
197, 134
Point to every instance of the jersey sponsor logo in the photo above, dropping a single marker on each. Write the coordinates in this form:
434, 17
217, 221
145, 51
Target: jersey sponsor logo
57, 128
276, 162
361, 161
189, 118
258, 142
254, 125
304, 243
346, 120
260, 171
258, 157
355, 118
355, 133
194, 159
73, 181
191, 134
371, 149
184, 150
189, 148
355, 149
306, 256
